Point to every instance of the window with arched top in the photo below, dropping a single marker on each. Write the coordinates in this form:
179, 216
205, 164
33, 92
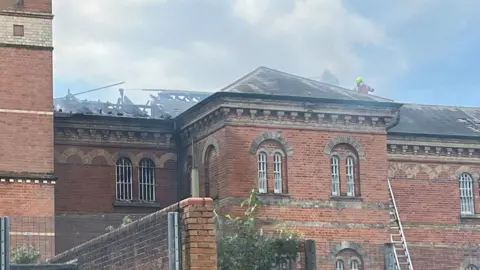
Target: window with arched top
466, 194
262, 172
344, 166
354, 265
334, 162
277, 173
339, 265
123, 177
146, 180
471, 267
350, 176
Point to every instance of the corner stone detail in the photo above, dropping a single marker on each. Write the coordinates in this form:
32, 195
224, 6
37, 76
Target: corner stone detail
346, 140
271, 135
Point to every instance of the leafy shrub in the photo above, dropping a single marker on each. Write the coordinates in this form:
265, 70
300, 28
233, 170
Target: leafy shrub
26, 254
242, 245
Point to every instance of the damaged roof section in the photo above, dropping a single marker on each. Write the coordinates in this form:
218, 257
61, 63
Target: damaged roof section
268, 81
165, 104
438, 120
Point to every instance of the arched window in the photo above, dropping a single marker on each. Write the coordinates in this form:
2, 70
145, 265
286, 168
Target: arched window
277, 173
335, 176
466, 194
354, 265
350, 173
123, 176
339, 265
146, 180
471, 267
262, 172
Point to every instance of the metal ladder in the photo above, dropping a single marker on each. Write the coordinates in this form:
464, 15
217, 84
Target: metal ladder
397, 237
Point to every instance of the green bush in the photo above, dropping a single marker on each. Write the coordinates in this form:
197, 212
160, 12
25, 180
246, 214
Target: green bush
26, 254
242, 245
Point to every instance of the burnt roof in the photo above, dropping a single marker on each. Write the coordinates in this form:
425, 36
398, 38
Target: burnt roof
447, 121
164, 105
269, 81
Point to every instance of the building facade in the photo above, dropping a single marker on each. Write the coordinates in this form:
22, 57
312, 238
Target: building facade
333, 163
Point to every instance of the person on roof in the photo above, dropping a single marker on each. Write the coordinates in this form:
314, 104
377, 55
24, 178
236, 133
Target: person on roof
363, 87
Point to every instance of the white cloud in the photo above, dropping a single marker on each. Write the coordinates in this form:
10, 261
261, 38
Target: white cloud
207, 44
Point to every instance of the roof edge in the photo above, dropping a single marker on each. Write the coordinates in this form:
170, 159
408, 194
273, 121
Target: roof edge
430, 135
290, 98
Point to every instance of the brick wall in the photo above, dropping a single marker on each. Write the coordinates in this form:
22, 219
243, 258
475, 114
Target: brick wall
87, 182
43, 6
143, 244
306, 203
428, 200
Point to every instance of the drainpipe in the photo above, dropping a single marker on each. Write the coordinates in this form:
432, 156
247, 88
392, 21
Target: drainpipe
180, 160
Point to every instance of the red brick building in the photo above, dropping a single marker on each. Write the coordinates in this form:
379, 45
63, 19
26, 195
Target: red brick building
322, 157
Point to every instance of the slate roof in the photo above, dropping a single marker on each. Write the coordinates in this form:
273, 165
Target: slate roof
438, 120
268, 81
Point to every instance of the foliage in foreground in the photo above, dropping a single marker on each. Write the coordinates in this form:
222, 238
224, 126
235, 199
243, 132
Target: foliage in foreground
125, 221
26, 254
244, 246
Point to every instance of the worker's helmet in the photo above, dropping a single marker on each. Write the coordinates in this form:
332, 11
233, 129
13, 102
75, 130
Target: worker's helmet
359, 80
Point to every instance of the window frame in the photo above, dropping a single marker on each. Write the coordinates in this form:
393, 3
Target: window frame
467, 194
350, 171
146, 189
339, 264
277, 172
262, 171
335, 175
124, 179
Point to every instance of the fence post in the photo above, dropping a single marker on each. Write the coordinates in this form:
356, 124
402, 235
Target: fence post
310, 255
173, 241
389, 259
5, 243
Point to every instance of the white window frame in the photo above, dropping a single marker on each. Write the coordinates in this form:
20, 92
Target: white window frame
339, 265
335, 174
277, 173
471, 267
354, 265
146, 180
350, 174
467, 201
124, 181
262, 172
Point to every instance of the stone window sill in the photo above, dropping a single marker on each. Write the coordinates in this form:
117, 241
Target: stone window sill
346, 198
475, 216
274, 198
136, 204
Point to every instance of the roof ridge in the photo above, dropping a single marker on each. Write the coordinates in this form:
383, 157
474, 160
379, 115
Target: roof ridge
339, 88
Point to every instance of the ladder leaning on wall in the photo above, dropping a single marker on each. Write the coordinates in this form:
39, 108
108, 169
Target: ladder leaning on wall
397, 236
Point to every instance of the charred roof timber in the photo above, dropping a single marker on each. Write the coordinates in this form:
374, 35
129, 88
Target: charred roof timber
165, 105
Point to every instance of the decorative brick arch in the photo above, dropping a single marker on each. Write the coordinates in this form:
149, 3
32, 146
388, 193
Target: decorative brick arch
344, 140
211, 141
99, 152
466, 169
166, 157
140, 156
271, 135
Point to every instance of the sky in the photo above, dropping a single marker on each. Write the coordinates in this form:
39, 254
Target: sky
412, 51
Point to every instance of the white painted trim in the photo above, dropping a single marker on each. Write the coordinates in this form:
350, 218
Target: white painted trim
26, 112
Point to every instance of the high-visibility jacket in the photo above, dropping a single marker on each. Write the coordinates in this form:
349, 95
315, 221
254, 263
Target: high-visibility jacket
364, 88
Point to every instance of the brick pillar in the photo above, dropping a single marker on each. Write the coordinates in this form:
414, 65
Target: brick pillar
199, 246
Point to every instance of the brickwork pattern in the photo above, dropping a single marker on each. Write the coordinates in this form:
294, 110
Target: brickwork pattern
37, 31
88, 179
143, 244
